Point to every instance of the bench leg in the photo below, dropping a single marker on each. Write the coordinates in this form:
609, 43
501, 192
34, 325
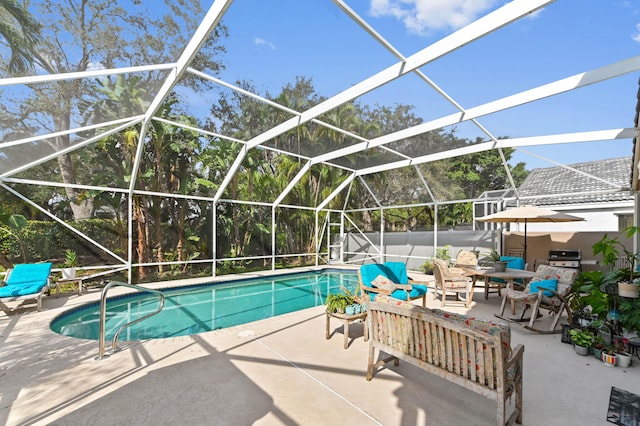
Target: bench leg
370, 362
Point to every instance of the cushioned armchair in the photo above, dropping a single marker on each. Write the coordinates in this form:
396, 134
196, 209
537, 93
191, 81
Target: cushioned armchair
390, 278
466, 259
547, 290
451, 280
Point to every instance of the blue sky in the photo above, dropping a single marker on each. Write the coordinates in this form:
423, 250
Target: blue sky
272, 42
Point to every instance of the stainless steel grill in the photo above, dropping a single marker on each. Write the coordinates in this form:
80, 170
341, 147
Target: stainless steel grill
565, 258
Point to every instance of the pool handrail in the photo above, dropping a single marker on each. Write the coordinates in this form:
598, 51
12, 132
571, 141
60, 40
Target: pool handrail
103, 315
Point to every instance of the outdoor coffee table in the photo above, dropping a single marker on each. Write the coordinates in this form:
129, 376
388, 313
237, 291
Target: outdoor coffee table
347, 319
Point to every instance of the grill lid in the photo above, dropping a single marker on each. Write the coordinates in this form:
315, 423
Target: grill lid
564, 254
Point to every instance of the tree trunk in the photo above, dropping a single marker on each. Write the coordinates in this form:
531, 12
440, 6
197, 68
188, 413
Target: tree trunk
5, 262
84, 209
158, 237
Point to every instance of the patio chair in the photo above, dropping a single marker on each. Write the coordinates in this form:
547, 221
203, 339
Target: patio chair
26, 282
390, 278
452, 280
498, 283
466, 259
547, 290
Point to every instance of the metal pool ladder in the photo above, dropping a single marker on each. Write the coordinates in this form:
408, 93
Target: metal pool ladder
103, 315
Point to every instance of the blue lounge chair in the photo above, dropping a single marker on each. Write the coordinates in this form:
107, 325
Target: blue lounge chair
404, 288
26, 282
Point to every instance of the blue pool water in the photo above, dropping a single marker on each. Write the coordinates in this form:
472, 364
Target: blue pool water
200, 308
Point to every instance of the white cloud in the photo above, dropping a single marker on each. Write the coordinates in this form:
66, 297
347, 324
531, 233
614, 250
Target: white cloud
424, 16
258, 41
636, 36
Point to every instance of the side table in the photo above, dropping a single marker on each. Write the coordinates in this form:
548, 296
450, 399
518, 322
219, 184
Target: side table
70, 280
347, 319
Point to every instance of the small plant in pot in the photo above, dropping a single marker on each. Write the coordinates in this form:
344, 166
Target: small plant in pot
630, 316
70, 264
623, 358
338, 302
497, 264
597, 346
610, 249
582, 340
609, 356
583, 316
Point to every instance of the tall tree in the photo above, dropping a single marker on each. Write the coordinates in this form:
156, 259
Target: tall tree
20, 32
79, 35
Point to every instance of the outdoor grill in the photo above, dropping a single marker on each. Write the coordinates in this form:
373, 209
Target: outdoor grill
565, 258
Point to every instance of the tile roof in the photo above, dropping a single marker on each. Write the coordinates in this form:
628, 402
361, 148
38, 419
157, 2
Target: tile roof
580, 188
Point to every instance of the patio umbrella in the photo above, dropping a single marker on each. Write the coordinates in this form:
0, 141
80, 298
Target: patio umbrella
526, 214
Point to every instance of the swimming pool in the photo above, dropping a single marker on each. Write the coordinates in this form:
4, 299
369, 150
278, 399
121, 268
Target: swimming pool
205, 307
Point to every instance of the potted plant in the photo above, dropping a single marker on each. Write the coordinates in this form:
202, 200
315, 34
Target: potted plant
441, 253
597, 347
630, 316
586, 294
609, 356
498, 265
582, 340
623, 358
610, 249
70, 264
338, 302
582, 316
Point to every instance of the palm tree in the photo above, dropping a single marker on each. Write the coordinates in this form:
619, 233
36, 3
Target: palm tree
21, 33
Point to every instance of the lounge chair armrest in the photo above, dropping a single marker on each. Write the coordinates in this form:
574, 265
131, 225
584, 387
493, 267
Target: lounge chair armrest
375, 290
407, 287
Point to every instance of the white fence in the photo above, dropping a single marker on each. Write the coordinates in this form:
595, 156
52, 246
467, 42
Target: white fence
415, 247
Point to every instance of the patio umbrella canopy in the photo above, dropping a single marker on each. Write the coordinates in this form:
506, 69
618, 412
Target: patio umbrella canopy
525, 214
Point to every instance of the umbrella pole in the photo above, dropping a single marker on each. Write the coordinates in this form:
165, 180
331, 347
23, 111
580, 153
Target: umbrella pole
524, 255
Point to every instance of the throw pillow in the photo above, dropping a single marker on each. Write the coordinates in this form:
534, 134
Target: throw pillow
383, 283
551, 283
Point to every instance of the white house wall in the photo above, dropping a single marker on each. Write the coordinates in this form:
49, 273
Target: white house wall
599, 218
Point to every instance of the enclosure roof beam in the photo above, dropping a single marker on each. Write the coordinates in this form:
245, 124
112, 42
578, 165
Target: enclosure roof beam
72, 148
48, 78
560, 86
493, 21
293, 183
594, 136
336, 191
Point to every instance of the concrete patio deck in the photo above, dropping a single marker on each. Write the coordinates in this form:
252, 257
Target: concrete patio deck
279, 371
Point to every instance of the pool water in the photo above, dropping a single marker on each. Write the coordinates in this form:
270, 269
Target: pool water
201, 308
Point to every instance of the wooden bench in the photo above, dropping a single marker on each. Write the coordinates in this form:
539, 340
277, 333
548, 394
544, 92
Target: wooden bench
472, 353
